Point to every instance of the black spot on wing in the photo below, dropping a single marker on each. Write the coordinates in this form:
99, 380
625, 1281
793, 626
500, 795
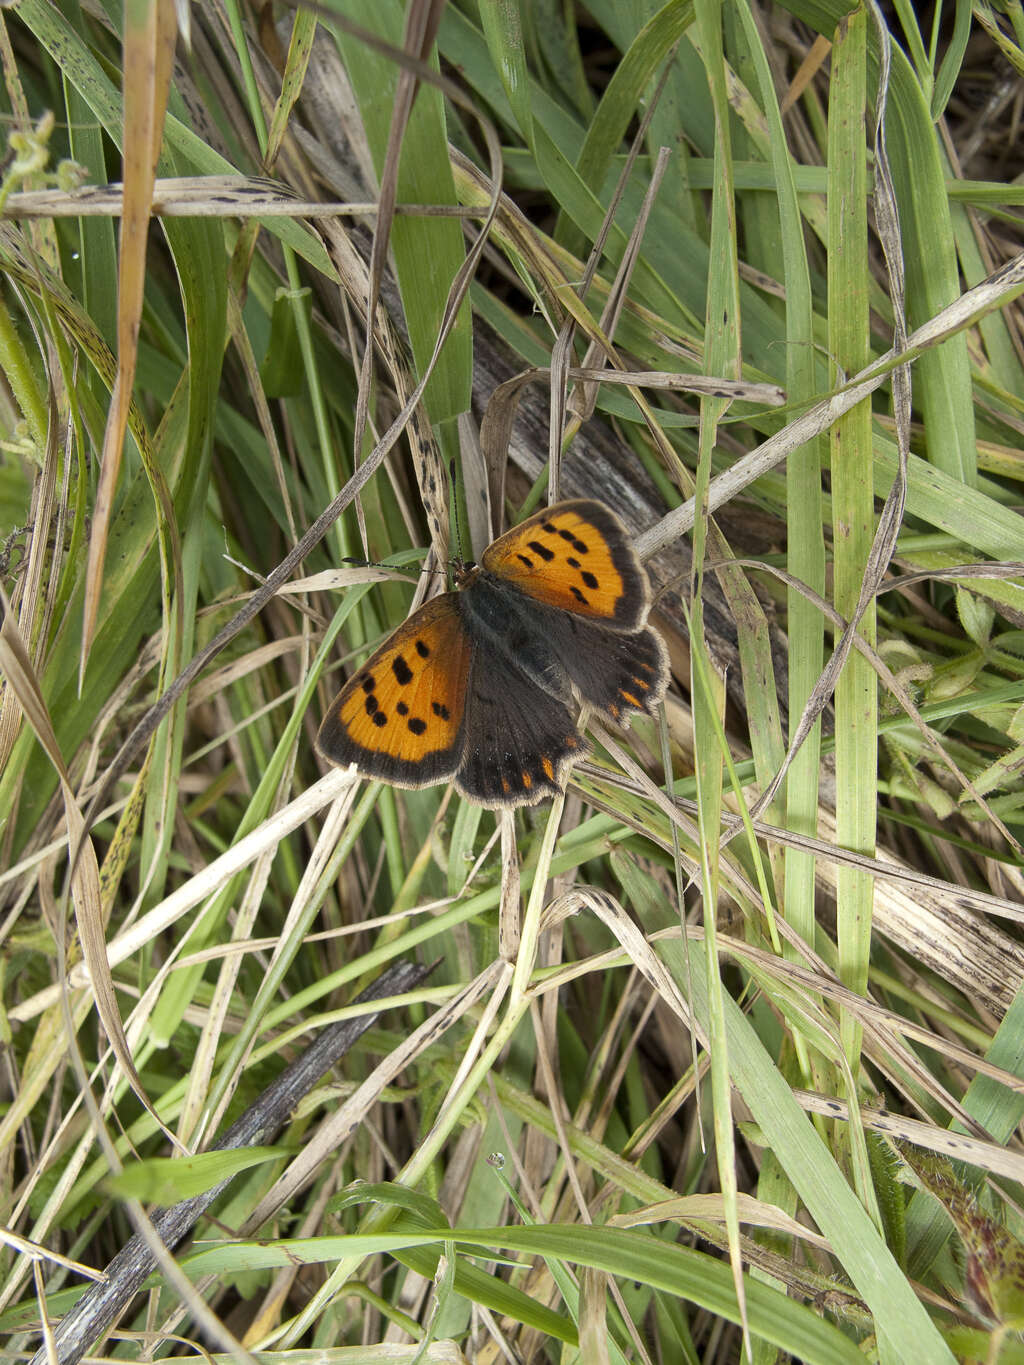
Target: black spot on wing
580, 546
541, 551
583, 537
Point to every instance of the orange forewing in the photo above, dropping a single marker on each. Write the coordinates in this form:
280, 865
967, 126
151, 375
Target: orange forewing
577, 557
400, 717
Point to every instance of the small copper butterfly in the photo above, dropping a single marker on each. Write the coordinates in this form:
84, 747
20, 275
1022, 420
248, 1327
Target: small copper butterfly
477, 684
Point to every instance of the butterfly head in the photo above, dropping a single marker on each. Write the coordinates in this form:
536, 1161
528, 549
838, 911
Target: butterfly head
464, 571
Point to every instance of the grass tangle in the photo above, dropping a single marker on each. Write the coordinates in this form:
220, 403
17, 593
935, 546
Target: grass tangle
720, 1055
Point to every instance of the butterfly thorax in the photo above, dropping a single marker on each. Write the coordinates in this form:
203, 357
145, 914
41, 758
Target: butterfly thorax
503, 618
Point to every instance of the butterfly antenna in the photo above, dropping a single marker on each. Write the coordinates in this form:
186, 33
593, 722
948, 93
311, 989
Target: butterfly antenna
460, 544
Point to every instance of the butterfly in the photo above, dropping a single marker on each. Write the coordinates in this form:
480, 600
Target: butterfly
480, 685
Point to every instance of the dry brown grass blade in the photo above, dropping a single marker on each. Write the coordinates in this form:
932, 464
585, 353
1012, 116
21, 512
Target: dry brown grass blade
997, 291
213, 876
420, 30
456, 295
936, 924
986, 1156
709, 1206
85, 880
810, 66
585, 398
209, 196
823, 691
101, 1306
508, 917
148, 60
36, 598
342, 1122
561, 354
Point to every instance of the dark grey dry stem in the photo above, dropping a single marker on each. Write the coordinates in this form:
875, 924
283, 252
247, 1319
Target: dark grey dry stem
103, 1303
